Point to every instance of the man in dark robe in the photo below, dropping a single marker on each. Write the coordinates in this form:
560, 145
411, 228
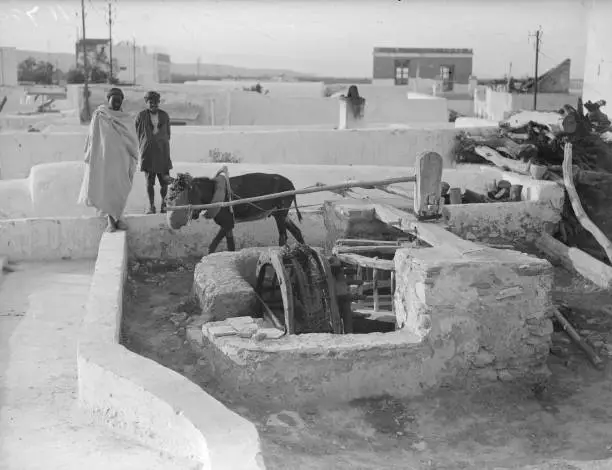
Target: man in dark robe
153, 128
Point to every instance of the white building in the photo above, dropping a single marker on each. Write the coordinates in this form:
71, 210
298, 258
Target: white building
135, 64
598, 60
8, 66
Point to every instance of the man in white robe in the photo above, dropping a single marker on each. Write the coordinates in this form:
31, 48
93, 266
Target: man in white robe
111, 156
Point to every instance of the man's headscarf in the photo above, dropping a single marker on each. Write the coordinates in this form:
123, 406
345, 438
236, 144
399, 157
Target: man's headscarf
113, 92
151, 94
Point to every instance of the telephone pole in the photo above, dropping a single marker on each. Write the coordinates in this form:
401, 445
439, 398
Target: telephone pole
134, 59
110, 39
87, 111
538, 38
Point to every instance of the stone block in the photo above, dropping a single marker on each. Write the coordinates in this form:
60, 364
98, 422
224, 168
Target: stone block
498, 298
223, 284
218, 330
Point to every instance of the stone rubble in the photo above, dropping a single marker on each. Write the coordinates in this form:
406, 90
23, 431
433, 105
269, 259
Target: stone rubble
244, 327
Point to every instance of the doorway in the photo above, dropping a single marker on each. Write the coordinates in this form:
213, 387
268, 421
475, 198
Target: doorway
446, 75
402, 67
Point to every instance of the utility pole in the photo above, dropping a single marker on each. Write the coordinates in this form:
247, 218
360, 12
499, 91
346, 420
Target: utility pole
87, 114
134, 60
538, 38
198, 70
110, 39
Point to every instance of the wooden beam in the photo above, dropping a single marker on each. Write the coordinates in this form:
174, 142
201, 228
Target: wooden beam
576, 260
364, 261
295, 192
581, 215
430, 232
382, 249
500, 161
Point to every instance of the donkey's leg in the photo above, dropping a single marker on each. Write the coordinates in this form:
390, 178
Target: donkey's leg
215, 243
294, 230
229, 237
280, 218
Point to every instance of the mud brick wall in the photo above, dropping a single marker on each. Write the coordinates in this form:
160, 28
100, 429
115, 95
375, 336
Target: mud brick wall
494, 302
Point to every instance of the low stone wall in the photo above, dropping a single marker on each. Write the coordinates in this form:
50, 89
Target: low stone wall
52, 189
500, 223
143, 399
384, 146
148, 237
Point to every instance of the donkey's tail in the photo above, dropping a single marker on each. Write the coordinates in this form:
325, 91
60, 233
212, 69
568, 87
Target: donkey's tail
297, 210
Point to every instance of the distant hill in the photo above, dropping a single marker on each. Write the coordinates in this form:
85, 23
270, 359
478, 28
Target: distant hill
65, 61
217, 70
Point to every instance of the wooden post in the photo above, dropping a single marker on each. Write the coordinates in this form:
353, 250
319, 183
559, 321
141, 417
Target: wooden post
428, 186
375, 289
392, 281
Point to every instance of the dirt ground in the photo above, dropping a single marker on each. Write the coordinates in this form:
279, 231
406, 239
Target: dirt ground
500, 426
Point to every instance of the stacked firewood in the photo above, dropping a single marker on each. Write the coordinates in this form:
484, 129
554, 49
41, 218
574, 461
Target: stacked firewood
538, 138
533, 143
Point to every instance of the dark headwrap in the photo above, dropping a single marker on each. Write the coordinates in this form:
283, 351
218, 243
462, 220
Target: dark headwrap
113, 92
151, 94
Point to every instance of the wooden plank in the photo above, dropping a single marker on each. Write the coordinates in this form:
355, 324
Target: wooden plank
397, 192
367, 285
430, 232
428, 185
363, 241
577, 260
365, 262
369, 314
382, 249
500, 161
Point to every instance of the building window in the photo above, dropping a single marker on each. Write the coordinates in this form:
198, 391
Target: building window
401, 72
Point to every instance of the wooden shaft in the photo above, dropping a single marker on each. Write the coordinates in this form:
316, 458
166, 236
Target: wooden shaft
392, 283
581, 215
375, 289
295, 192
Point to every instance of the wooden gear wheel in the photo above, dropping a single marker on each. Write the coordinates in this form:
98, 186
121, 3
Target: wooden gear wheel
299, 280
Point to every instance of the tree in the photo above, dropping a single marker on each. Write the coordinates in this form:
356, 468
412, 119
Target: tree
75, 75
96, 75
31, 70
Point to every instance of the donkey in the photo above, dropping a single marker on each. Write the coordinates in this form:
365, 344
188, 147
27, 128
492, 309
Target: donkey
187, 190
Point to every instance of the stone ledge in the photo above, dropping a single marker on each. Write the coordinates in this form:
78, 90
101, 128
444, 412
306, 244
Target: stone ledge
141, 398
312, 367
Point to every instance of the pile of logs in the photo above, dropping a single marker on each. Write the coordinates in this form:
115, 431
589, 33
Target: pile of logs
569, 147
538, 138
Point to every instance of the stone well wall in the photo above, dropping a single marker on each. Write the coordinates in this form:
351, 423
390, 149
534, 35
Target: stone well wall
481, 314
499, 298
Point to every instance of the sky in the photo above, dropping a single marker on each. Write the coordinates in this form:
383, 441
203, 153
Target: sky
323, 37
